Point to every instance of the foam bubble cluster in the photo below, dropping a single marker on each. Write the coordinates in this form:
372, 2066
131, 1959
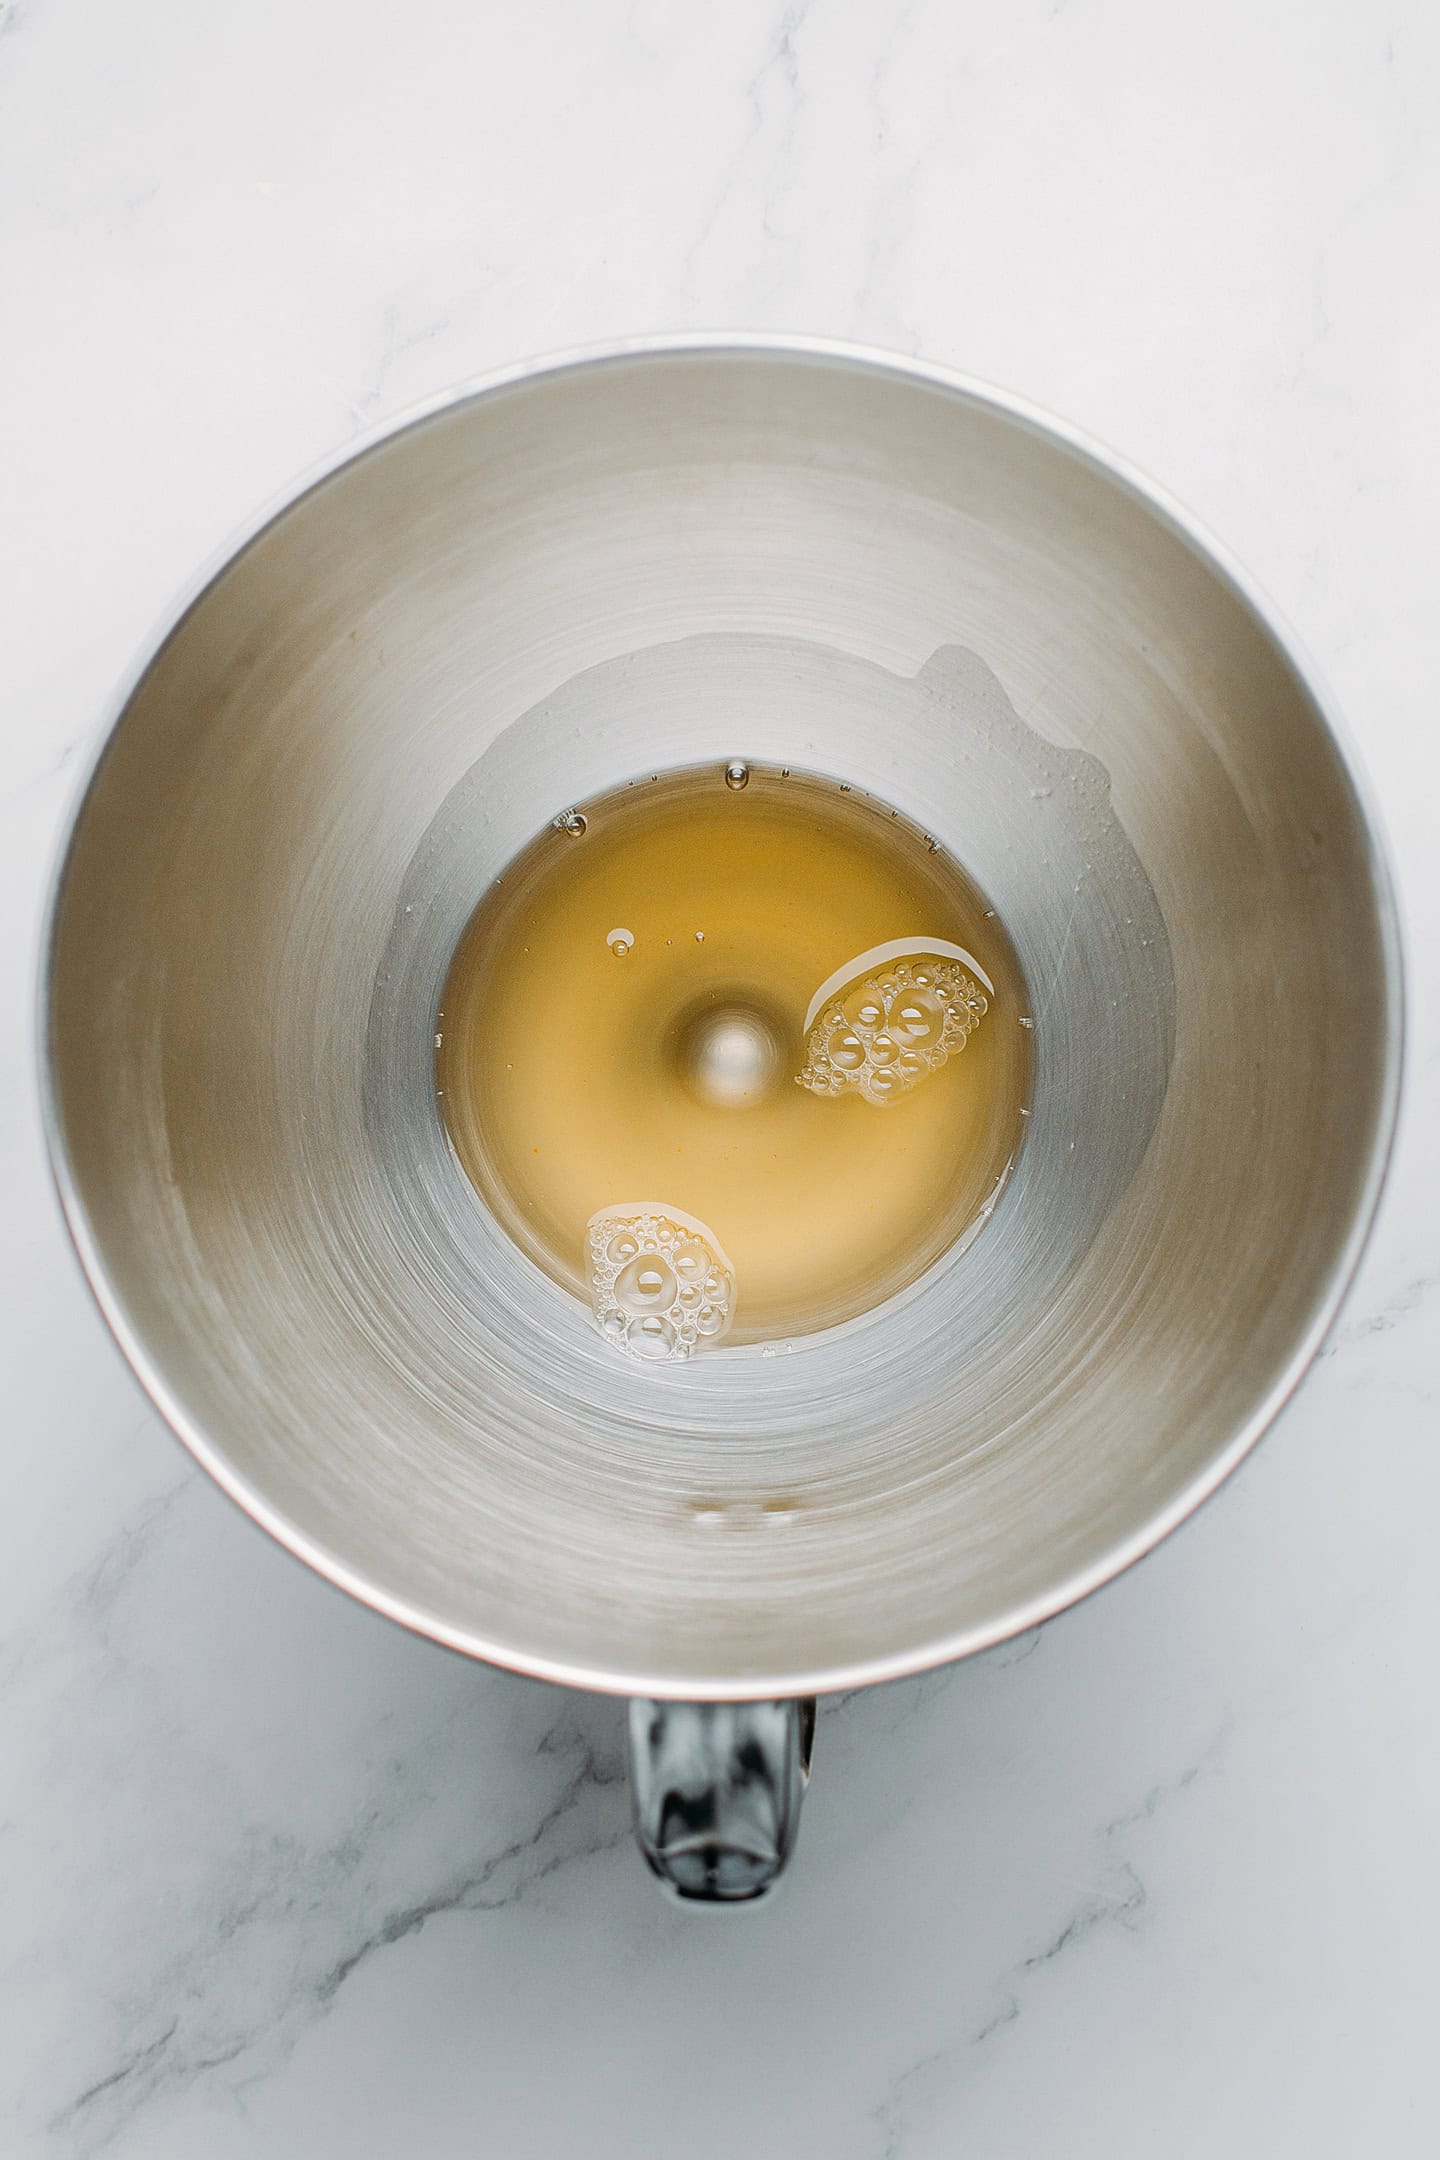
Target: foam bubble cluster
660, 1283
881, 1033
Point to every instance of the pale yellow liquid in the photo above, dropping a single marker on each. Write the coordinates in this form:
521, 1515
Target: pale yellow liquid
561, 1062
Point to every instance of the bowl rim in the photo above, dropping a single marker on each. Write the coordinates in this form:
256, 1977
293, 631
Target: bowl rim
906, 372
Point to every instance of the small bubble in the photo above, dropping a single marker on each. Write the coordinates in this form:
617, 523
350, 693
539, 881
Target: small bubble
917, 1018
844, 787
1026, 1021
784, 772
438, 1040
989, 914
768, 1350
737, 775
932, 845
652, 1284
652, 1338
572, 822
620, 942
699, 937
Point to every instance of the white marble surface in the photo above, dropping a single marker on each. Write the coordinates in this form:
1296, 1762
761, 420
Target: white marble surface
274, 1878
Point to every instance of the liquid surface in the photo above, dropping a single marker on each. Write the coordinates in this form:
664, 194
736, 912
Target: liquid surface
700, 1052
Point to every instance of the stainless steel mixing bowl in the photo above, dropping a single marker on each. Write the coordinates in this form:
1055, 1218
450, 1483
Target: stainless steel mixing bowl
535, 590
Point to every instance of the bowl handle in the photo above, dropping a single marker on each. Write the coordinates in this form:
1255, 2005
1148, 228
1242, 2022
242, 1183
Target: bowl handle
717, 1790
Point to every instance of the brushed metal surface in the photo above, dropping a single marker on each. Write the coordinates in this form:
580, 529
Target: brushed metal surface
530, 593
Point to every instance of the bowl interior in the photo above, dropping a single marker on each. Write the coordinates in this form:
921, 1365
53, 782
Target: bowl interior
508, 605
